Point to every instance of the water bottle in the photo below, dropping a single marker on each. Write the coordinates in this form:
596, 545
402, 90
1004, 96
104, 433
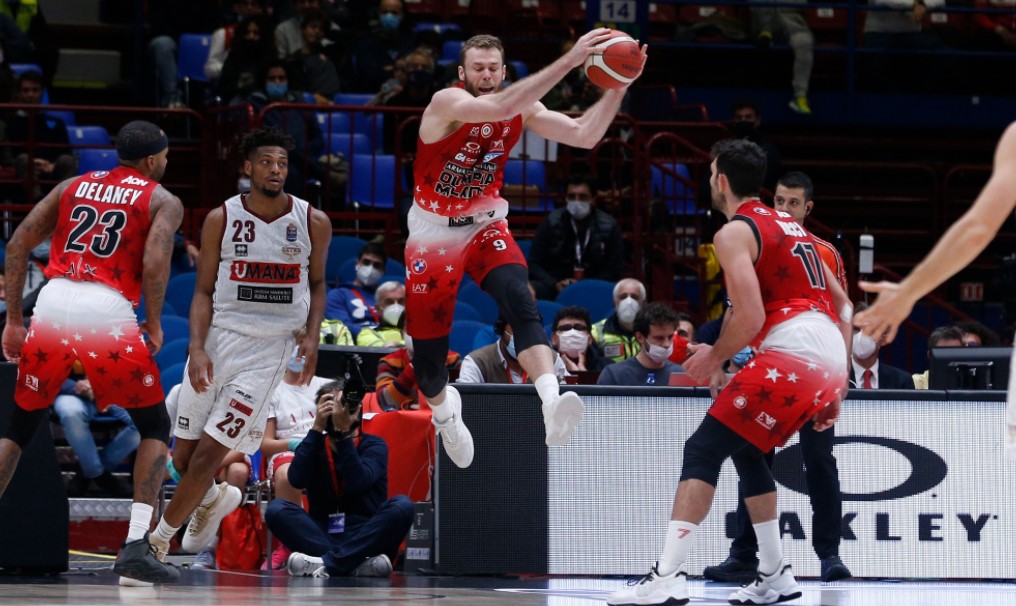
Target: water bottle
296, 363
651, 378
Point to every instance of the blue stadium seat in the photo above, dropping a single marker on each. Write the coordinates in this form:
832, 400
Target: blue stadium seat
678, 195
400, 278
527, 173
167, 310
349, 144
171, 376
337, 122
308, 97
595, 295
451, 49
548, 309
372, 180
172, 353
352, 98
20, 68
521, 70
463, 335
485, 337
87, 136
472, 294
192, 52
175, 327
347, 271
371, 125
465, 311
180, 292
395, 268
441, 29
525, 246
90, 160
341, 250
64, 114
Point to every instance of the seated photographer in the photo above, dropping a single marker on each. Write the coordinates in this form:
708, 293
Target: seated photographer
351, 529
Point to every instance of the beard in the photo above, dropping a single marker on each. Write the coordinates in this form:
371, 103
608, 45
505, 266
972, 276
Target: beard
270, 193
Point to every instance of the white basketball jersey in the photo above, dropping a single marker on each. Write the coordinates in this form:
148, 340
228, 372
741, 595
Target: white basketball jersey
262, 288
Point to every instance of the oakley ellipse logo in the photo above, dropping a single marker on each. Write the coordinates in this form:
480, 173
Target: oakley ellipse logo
927, 469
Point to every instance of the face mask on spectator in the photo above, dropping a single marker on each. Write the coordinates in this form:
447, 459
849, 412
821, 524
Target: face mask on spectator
864, 345
390, 22
627, 309
579, 209
276, 90
573, 342
368, 274
511, 348
656, 353
420, 78
391, 314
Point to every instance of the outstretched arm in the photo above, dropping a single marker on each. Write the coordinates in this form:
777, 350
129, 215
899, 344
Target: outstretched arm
586, 130
960, 245
455, 105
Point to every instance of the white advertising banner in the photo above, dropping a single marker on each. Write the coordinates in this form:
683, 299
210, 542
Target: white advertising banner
926, 491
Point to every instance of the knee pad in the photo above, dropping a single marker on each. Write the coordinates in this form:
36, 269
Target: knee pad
702, 461
754, 474
23, 425
152, 422
429, 357
509, 286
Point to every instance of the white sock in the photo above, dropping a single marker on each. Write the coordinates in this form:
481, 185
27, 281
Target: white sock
547, 387
141, 521
211, 495
440, 410
164, 532
680, 536
770, 549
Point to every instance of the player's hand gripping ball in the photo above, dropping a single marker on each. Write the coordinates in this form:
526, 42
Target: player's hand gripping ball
617, 63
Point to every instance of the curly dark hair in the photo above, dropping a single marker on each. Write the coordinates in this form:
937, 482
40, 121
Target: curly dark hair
265, 137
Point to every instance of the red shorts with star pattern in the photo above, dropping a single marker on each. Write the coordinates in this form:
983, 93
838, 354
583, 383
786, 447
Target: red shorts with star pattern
774, 395
436, 257
90, 322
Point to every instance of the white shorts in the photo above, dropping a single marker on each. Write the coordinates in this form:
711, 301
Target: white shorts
234, 410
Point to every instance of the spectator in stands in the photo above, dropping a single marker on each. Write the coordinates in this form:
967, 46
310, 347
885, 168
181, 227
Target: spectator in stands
53, 164
390, 38
76, 408
866, 372
616, 333
747, 125
251, 48
995, 30
417, 90
167, 20
291, 414
655, 325
787, 24
575, 242
350, 529
316, 68
901, 29
571, 339
27, 15
305, 159
396, 384
288, 36
391, 304
224, 38
976, 334
685, 326
943, 336
393, 85
498, 363
353, 303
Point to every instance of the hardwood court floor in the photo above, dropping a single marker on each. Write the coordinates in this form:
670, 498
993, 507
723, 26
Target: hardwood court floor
90, 582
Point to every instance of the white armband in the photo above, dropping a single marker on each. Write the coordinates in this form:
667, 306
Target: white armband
847, 312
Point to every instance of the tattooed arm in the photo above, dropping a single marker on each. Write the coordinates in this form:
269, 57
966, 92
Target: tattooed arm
34, 230
167, 213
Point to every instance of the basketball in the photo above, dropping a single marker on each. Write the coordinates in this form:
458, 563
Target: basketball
616, 64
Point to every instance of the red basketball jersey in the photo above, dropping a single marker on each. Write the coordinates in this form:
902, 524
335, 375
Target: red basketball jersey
789, 266
462, 173
101, 230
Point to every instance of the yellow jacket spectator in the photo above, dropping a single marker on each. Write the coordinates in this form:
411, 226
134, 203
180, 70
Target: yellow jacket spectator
334, 332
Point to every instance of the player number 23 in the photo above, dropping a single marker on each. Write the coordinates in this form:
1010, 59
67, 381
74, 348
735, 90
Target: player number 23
231, 425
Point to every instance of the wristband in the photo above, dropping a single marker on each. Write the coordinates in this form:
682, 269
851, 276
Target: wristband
173, 473
293, 443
